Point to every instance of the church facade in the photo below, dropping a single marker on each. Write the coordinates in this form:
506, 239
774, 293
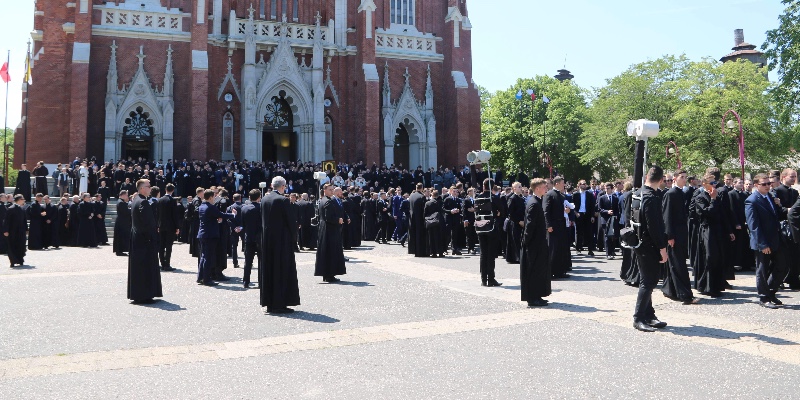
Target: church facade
384, 81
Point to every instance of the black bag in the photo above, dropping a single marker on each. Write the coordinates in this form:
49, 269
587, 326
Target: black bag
484, 217
786, 233
432, 221
629, 235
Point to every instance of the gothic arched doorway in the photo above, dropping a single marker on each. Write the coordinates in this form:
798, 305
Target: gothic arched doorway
279, 142
137, 135
401, 143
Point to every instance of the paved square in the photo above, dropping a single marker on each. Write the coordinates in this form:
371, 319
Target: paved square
396, 327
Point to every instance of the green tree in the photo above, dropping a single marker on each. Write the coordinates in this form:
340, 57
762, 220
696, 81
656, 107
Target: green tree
782, 48
517, 132
11, 179
688, 100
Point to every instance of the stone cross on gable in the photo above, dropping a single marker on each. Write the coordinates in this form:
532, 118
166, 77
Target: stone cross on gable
408, 77
251, 10
230, 65
141, 55
318, 17
114, 47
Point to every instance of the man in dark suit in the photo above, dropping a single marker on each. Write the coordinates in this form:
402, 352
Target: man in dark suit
250, 228
451, 206
584, 217
209, 233
652, 251
677, 284
236, 228
169, 221
763, 218
608, 209
144, 280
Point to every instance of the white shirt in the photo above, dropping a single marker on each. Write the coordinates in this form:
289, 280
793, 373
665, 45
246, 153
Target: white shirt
583, 202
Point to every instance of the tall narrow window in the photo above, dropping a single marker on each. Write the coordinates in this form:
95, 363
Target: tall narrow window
273, 9
284, 9
261, 8
402, 12
227, 133
295, 9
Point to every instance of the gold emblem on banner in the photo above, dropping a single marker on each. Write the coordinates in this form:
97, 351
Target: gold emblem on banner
329, 165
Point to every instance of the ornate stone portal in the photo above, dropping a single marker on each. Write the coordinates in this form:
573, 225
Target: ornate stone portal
131, 109
415, 118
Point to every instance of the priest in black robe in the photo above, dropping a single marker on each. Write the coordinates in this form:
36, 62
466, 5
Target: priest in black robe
534, 269
24, 183
516, 217
144, 277
74, 221
122, 225
369, 217
710, 280
434, 224
63, 222
355, 217
557, 232
35, 213
15, 227
306, 212
50, 224
347, 208
192, 215
101, 236
677, 285
40, 173
277, 270
86, 229
330, 254
417, 236
3, 211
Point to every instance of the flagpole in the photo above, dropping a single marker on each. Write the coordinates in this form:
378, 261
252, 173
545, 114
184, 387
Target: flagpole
5, 129
25, 129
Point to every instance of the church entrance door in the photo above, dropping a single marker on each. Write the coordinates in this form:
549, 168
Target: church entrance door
279, 141
137, 135
401, 146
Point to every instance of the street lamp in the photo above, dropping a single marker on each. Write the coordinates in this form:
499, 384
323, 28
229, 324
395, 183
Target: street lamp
547, 160
674, 151
731, 124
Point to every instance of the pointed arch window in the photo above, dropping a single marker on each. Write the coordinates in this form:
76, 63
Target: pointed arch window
279, 114
402, 12
138, 124
227, 133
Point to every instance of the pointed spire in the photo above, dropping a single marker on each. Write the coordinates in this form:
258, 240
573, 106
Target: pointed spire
251, 11
386, 87
168, 81
318, 17
408, 78
429, 90
141, 57
112, 85
230, 64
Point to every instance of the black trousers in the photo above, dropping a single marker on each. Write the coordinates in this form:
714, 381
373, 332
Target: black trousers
489, 245
383, 226
584, 238
165, 241
251, 249
208, 259
649, 260
771, 270
792, 265
234, 240
455, 228
472, 237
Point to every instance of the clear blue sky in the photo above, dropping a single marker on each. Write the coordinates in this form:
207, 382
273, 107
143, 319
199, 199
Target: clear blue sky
524, 38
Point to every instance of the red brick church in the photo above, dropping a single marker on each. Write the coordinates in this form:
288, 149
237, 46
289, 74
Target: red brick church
276, 80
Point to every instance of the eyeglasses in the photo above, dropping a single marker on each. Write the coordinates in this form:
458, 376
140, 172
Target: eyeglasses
667, 180
713, 183
763, 184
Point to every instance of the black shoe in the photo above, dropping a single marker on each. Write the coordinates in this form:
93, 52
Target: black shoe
284, 310
643, 327
493, 282
767, 304
122, 254
167, 269
537, 303
246, 285
403, 244
713, 294
333, 279
145, 301
222, 278
591, 253
235, 266
775, 301
483, 283
693, 300
728, 285
209, 283
562, 276
655, 323
457, 253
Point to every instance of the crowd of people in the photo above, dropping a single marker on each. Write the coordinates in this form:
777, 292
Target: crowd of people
715, 226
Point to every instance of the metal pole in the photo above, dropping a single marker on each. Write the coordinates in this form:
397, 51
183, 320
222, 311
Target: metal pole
5, 129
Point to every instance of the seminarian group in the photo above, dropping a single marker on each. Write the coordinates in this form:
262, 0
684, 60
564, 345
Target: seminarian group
718, 226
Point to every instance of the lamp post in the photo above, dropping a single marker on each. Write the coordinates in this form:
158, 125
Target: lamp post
731, 125
546, 160
674, 150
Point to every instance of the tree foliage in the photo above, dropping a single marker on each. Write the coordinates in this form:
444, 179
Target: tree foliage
688, 100
517, 132
782, 48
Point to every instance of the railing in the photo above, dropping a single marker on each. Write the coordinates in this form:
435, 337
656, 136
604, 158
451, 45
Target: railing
406, 44
142, 20
271, 30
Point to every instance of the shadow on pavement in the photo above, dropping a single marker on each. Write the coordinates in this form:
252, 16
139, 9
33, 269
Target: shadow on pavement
307, 316
356, 284
704, 331
163, 305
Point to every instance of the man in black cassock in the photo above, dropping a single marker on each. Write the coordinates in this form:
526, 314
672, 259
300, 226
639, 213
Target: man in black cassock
74, 221
35, 213
277, 271
515, 205
251, 233
434, 223
15, 227
193, 216
384, 210
144, 278
330, 254
86, 229
3, 211
50, 224
710, 280
23, 183
451, 207
417, 239
63, 222
369, 215
557, 232
355, 216
168, 227
677, 285
122, 225
101, 236
306, 212
534, 268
